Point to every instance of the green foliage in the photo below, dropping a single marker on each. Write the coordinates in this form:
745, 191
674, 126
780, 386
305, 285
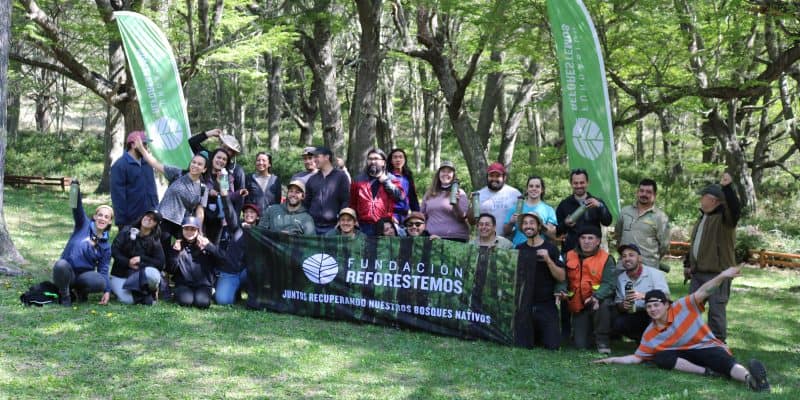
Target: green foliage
76, 155
748, 239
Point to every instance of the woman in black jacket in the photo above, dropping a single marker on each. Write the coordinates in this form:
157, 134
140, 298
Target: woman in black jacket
136, 250
192, 261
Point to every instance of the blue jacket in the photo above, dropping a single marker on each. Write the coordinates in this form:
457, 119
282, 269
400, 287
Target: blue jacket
133, 189
80, 253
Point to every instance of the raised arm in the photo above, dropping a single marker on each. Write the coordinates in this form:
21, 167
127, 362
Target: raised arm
148, 157
707, 289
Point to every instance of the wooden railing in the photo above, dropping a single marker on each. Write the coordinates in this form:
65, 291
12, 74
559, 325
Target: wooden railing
16, 180
761, 257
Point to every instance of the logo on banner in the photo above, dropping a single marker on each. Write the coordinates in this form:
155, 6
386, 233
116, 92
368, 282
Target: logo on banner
588, 138
170, 133
320, 268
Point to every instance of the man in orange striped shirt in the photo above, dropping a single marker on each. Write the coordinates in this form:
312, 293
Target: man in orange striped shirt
677, 338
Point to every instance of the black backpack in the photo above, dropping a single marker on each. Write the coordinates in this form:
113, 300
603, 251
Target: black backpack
40, 294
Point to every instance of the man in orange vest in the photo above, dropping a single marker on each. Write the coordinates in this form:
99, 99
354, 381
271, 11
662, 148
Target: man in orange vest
591, 279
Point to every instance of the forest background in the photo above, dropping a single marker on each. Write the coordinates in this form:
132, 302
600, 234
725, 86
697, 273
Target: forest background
695, 88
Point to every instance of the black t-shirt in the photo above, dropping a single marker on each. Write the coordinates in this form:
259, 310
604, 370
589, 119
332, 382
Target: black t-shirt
539, 283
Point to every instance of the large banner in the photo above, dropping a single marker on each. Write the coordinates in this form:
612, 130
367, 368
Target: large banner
585, 105
158, 88
440, 286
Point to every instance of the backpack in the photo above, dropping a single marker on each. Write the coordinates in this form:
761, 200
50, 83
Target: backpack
42, 293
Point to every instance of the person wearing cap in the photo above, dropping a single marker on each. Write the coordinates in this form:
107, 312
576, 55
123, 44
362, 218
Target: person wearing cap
309, 165
534, 202
230, 144
326, 192
645, 225
347, 225
133, 184
192, 260
712, 247
263, 187
446, 219
291, 216
677, 338
591, 284
540, 276
232, 273
496, 197
631, 318
415, 225
374, 192
487, 235
83, 264
137, 250
597, 213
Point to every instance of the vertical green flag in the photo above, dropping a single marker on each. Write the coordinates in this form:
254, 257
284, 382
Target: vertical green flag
586, 109
158, 88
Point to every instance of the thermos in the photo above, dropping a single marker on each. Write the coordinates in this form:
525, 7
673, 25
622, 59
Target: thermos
454, 193
628, 294
224, 185
576, 215
476, 204
74, 188
520, 203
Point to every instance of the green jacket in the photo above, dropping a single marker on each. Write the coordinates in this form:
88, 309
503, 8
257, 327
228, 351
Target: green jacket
718, 241
278, 218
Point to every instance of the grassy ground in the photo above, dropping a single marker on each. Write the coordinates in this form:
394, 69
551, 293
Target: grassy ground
164, 351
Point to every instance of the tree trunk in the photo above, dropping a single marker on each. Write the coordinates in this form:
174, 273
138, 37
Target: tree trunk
114, 134
364, 104
9, 255
516, 112
275, 95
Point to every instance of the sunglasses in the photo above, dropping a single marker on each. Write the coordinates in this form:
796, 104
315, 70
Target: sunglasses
414, 224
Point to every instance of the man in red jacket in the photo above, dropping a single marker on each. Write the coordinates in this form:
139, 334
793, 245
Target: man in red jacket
374, 192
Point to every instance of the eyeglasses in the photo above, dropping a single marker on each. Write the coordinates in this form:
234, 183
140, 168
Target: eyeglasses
414, 224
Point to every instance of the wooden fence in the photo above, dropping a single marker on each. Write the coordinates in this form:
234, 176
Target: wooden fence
761, 257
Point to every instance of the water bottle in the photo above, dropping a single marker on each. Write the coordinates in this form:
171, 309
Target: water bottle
476, 204
74, 189
454, 193
224, 185
576, 215
520, 204
134, 233
629, 294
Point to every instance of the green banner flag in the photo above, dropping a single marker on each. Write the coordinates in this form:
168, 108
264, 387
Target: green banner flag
439, 286
158, 88
586, 110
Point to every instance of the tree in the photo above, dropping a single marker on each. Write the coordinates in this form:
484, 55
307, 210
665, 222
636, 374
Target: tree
8, 252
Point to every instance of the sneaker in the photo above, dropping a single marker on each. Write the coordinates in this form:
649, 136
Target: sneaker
603, 349
757, 380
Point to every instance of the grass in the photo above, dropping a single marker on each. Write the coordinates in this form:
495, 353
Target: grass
165, 351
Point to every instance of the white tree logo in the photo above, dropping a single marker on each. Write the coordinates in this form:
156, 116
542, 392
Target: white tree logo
170, 134
320, 268
587, 138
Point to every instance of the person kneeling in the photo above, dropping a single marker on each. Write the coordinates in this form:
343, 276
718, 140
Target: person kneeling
192, 260
677, 338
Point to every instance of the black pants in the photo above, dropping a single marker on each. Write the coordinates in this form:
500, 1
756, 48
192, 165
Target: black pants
713, 358
545, 325
630, 325
199, 297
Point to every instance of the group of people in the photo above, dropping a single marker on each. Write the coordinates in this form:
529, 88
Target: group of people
195, 236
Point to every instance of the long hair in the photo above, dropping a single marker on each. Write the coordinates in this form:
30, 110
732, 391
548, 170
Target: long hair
269, 157
406, 171
541, 197
436, 184
155, 234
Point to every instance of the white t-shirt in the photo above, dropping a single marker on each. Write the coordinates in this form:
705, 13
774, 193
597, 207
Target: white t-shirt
499, 203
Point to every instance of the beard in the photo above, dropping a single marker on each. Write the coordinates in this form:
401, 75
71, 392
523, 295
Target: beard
374, 170
494, 185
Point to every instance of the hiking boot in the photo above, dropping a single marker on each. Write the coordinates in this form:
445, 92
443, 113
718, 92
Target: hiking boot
65, 298
603, 349
757, 380
81, 296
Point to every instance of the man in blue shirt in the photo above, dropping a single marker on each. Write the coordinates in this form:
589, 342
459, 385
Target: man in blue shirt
133, 186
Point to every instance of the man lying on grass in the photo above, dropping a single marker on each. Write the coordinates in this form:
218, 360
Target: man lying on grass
677, 338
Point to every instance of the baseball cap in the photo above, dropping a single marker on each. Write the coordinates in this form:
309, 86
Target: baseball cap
590, 230
415, 215
348, 211
656, 295
298, 184
253, 207
629, 246
713, 189
322, 150
496, 167
137, 134
447, 164
191, 221
309, 150
534, 215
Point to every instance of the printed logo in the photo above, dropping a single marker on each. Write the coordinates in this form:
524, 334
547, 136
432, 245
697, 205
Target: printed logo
170, 134
587, 138
320, 268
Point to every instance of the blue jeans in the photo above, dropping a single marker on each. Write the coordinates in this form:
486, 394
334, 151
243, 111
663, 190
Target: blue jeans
227, 285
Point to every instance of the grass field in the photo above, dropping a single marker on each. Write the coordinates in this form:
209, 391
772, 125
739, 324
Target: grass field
165, 351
